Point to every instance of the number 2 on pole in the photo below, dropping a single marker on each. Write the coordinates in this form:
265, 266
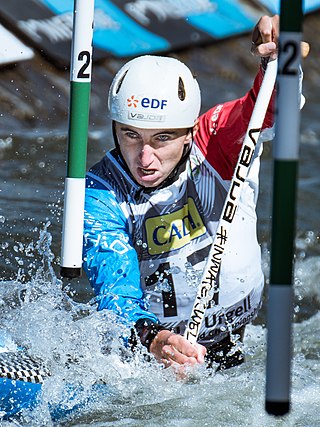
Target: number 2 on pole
290, 51
84, 55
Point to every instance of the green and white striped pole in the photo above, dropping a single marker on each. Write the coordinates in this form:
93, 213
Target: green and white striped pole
286, 155
80, 86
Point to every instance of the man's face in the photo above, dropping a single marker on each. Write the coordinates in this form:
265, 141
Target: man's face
151, 154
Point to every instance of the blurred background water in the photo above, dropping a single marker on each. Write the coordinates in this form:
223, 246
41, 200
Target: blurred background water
34, 99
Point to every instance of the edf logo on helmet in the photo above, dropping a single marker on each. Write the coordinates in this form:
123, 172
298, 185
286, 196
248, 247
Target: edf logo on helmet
147, 102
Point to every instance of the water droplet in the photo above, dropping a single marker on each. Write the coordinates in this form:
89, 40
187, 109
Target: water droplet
175, 270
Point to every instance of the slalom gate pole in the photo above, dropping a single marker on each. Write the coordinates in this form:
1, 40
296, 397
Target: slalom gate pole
80, 87
286, 152
207, 286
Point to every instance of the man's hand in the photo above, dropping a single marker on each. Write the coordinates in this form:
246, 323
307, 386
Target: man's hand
173, 349
265, 37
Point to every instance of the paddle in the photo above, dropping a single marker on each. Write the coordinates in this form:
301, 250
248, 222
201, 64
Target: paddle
208, 282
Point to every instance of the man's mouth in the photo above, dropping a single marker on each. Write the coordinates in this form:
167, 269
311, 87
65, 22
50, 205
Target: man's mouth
147, 171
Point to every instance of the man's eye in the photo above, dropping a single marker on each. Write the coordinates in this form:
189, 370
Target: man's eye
131, 135
163, 138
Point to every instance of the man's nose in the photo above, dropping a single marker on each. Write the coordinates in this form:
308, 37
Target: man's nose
146, 154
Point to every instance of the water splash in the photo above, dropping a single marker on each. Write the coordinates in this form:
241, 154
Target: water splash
80, 346
192, 275
114, 387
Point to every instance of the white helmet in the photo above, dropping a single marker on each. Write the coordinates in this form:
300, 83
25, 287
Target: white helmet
155, 92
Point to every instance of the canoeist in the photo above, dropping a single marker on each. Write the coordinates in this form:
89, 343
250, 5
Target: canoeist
154, 201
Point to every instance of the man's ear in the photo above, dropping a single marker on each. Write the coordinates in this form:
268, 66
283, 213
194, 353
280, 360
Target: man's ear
192, 132
195, 128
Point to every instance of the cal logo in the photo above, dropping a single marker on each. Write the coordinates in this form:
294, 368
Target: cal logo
173, 231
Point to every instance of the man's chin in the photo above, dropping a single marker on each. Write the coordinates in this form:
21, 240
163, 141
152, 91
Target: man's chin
149, 181
149, 185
